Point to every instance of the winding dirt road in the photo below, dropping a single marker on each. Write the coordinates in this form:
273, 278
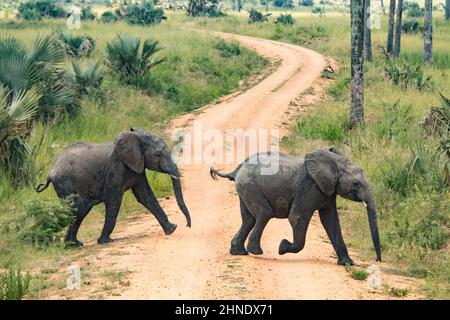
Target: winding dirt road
195, 263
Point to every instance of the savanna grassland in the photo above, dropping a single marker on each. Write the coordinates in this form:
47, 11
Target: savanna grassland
405, 165
198, 68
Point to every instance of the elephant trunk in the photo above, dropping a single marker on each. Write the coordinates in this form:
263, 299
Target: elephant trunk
372, 216
176, 183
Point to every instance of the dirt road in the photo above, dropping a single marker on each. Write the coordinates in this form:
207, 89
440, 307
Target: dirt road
195, 263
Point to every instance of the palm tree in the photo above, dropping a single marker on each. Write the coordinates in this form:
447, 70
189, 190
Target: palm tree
128, 60
398, 29
390, 39
428, 33
41, 66
357, 84
17, 110
367, 32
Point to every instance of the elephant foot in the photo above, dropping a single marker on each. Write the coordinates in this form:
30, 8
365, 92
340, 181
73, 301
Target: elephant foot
74, 243
285, 247
254, 249
345, 262
170, 229
238, 251
103, 240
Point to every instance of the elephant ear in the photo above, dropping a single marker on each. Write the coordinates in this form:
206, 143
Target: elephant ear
322, 167
129, 148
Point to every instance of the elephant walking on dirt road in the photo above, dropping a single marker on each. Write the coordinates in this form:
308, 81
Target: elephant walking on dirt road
296, 191
102, 172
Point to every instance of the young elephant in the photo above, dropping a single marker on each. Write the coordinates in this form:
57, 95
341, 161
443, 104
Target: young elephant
300, 187
102, 172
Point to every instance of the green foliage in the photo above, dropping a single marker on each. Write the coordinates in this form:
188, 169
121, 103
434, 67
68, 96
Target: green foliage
405, 74
143, 13
395, 122
87, 79
256, 16
38, 9
320, 126
128, 60
283, 3
109, 17
76, 46
204, 8
437, 123
228, 49
299, 34
43, 222
318, 10
87, 14
411, 26
413, 9
357, 274
398, 292
13, 285
286, 19
306, 3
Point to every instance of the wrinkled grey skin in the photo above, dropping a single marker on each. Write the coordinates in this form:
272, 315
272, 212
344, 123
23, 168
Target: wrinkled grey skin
102, 172
296, 191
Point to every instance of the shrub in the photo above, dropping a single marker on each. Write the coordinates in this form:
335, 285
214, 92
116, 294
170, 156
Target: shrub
285, 19
405, 74
87, 79
395, 122
319, 10
228, 49
306, 3
13, 286
412, 26
76, 46
256, 16
283, 3
87, 14
128, 60
37, 9
42, 222
357, 274
413, 9
108, 17
143, 13
198, 8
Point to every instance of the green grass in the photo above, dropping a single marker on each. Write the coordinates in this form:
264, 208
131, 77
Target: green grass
356, 273
196, 72
406, 175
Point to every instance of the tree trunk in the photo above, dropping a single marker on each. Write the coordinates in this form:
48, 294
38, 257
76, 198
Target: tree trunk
390, 39
239, 5
398, 29
233, 5
267, 5
447, 9
428, 33
367, 32
357, 84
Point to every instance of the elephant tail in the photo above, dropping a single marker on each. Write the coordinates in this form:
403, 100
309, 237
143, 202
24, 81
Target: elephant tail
42, 186
232, 175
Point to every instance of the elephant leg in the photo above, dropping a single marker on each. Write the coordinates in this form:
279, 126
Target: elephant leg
299, 222
330, 222
81, 212
248, 222
145, 196
112, 210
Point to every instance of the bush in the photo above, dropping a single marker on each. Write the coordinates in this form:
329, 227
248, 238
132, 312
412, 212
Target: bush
357, 274
256, 16
42, 222
38, 9
306, 3
228, 49
411, 27
143, 13
395, 122
283, 3
405, 74
413, 9
208, 8
319, 10
285, 19
87, 79
108, 17
76, 46
13, 286
128, 61
87, 14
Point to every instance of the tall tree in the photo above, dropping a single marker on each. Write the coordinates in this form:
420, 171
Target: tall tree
398, 29
233, 5
239, 5
447, 9
428, 33
390, 39
367, 32
357, 83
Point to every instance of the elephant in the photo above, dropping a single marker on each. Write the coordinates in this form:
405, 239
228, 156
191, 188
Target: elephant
297, 189
101, 173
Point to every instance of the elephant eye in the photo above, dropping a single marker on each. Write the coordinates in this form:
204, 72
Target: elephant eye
355, 183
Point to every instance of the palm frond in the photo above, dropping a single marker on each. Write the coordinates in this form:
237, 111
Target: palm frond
24, 105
